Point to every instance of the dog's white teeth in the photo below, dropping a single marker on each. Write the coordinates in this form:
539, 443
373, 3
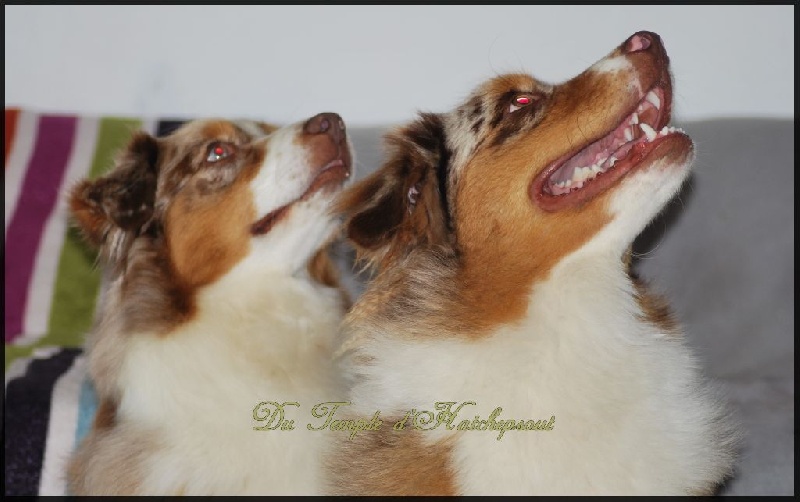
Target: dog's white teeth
648, 131
653, 98
634, 118
582, 174
664, 130
612, 161
628, 135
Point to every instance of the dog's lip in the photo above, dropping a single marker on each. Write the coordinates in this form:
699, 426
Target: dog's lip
332, 175
549, 196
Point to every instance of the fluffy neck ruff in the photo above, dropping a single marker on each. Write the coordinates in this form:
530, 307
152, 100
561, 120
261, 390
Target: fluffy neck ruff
423, 298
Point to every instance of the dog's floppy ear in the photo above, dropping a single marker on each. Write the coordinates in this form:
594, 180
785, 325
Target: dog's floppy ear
115, 207
402, 205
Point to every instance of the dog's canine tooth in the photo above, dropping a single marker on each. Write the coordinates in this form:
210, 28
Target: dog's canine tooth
634, 118
653, 98
648, 131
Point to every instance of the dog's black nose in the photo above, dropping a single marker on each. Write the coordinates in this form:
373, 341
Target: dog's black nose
326, 123
640, 41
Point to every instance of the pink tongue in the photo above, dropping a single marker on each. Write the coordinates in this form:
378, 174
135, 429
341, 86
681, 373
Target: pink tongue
601, 149
586, 157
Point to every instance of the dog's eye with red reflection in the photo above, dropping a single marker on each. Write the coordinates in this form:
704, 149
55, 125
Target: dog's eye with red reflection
520, 101
218, 151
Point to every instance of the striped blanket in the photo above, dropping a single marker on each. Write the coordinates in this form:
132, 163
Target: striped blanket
51, 285
51, 282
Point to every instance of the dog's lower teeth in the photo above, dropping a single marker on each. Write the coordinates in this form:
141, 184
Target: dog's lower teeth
648, 131
584, 174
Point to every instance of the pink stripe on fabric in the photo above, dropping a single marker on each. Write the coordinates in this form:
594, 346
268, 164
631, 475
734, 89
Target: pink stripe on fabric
37, 200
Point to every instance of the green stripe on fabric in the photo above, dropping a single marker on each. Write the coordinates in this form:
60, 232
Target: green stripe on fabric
78, 278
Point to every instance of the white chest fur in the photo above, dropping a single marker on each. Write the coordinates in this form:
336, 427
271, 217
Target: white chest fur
631, 413
195, 389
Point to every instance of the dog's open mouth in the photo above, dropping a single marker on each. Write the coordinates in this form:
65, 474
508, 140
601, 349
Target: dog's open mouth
585, 173
331, 176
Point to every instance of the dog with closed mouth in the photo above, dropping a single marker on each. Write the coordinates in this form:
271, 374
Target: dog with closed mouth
221, 297
503, 336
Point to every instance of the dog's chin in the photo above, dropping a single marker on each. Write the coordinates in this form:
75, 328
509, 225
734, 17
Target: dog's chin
326, 185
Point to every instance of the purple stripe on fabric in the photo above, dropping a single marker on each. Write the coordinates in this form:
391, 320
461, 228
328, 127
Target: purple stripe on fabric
37, 200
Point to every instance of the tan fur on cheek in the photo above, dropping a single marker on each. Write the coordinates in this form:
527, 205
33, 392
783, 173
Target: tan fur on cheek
208, 235
509, 242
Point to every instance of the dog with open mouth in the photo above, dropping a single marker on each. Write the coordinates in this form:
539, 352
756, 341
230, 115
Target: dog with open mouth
220, 295
503, 336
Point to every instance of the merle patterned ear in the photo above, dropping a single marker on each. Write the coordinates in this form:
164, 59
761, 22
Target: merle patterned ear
120, 202
401, 205
376, 206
